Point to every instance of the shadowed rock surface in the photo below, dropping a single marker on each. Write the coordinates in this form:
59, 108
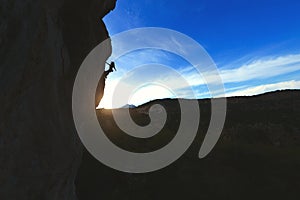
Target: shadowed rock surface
43, 44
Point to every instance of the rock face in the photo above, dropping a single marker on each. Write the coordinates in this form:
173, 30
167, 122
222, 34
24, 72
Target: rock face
42, 45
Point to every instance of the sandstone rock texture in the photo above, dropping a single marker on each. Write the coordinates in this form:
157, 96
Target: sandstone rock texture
42, 45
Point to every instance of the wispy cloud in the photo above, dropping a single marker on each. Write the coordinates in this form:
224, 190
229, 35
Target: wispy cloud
240, 80
127, 15
262, 68
265, 88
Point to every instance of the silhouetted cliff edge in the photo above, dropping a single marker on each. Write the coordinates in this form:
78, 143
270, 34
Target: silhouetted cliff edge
42, 46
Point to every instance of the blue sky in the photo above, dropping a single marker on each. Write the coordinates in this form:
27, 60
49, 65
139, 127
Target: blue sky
255, 44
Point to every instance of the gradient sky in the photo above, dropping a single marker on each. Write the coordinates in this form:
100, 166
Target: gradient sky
255, 44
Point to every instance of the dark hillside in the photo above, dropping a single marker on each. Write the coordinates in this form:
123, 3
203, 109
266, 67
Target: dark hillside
257, 156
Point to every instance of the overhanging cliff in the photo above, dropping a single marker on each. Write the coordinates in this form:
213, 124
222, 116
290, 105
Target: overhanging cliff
43, 44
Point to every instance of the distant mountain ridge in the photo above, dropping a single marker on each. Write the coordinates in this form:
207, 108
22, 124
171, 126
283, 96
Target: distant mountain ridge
267, 94
129, 106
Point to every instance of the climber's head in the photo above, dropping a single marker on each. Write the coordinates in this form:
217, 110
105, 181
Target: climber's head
112, 65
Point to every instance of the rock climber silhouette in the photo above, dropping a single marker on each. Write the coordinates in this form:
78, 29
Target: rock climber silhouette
112, 68
101, 84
